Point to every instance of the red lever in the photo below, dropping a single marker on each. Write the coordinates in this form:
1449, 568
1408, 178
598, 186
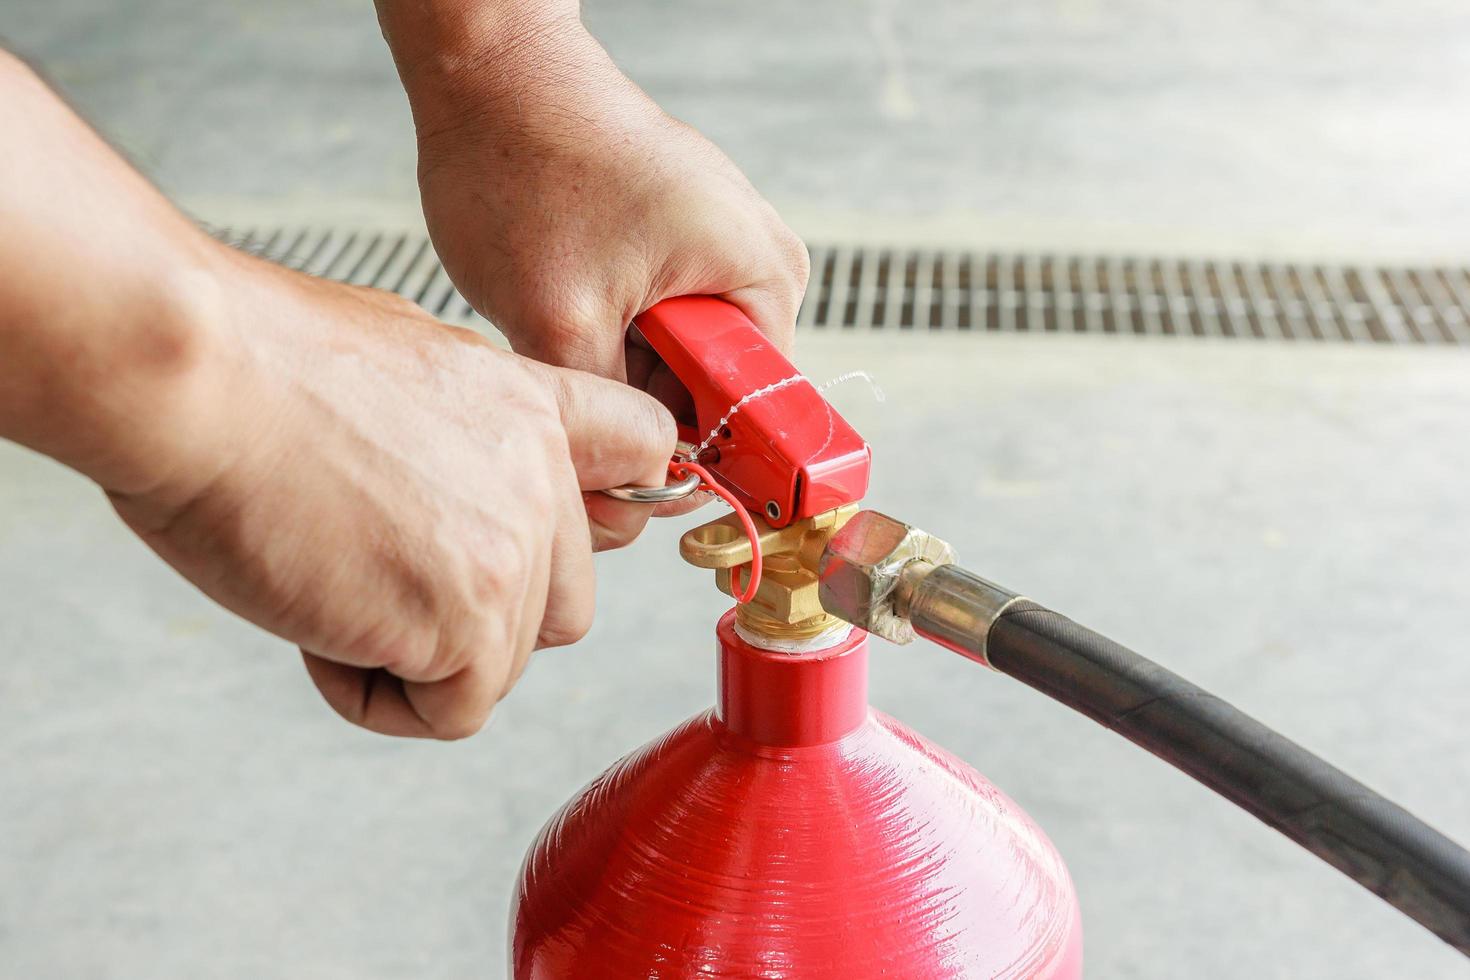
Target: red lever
786, 453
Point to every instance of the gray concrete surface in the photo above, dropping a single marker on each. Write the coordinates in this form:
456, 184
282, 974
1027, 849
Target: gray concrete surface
1243, 128
1285, 525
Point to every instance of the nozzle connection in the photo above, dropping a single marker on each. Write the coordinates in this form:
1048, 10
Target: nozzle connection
845, 566
899, 582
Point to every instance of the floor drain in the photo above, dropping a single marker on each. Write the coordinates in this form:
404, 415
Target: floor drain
919, 289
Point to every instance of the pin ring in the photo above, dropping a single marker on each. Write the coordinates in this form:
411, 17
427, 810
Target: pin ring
655, 495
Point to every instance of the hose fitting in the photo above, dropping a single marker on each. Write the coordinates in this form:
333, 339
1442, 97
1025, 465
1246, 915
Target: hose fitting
895, 580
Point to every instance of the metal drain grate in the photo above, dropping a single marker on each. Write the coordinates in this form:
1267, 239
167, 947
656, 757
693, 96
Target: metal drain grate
875, 288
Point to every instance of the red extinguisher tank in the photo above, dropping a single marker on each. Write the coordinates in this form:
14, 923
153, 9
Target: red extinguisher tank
793, 832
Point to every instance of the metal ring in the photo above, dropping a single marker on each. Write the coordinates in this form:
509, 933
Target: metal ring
655, 495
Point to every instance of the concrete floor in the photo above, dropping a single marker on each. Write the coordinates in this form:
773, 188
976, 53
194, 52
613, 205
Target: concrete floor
1283, 524
1319, 128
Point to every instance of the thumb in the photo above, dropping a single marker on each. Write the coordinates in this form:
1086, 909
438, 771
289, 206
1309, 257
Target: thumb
773, 308
616, 435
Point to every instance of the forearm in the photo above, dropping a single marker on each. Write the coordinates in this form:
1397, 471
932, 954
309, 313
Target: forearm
469, 61
429, 34
103, 333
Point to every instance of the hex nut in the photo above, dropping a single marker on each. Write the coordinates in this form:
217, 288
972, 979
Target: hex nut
861, 568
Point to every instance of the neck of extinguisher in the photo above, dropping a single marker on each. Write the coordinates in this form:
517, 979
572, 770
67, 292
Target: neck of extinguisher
784, 698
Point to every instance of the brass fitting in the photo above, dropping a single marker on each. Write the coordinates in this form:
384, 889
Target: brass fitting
870, 570
786, 605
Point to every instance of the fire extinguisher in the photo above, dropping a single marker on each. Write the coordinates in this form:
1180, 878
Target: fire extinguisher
794, 832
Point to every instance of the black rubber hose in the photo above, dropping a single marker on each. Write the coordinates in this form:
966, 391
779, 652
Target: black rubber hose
1378, 844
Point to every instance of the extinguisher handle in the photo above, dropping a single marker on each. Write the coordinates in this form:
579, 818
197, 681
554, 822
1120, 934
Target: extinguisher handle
761, 428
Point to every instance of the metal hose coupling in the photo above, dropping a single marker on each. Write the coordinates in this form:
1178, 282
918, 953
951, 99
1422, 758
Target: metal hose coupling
897, 581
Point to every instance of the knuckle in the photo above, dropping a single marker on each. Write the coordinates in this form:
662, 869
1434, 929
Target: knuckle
430, 654
653, 427
393, 644
801, 266
565, 627
497, 579
579, 627
452, 651
665, 433
534, 394
556, 319
393, 303
611, 538
472, 616
461, 724
554, 471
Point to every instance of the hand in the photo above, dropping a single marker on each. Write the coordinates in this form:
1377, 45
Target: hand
564, 202
397, 497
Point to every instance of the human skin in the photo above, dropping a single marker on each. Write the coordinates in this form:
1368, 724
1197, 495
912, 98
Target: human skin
563, 201
403, 501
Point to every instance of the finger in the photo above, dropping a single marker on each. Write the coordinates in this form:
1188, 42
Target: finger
669, 391
616, 434
616, 526
772, 307
647, 372
640, 359
460, 705
614, 523
686, 505
571, 582
372, 698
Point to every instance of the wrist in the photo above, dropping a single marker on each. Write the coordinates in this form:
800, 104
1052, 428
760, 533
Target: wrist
128, 399
488, 66
107, 327
427, 36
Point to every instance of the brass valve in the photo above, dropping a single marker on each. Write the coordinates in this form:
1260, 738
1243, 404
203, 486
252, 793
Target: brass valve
786, 605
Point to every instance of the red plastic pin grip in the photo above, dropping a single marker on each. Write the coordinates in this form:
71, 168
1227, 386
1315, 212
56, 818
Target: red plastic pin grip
785, 454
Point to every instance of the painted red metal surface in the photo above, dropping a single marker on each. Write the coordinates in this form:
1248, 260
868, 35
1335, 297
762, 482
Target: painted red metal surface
793, 833
787, 447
